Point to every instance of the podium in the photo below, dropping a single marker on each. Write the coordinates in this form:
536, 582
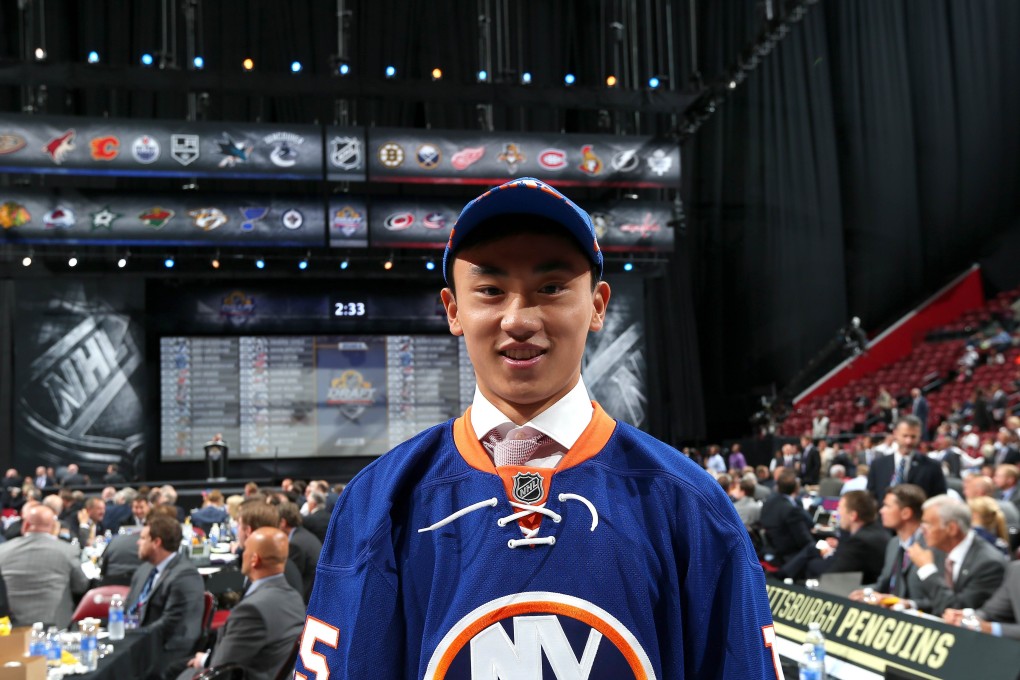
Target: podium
216, 460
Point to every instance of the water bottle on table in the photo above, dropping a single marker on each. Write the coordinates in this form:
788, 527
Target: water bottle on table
89, 651
811, 668
970, 620
116, 617
37, 643
817, 641
53, 648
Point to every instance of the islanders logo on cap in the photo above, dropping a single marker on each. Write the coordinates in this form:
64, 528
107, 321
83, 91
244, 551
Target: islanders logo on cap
512, 636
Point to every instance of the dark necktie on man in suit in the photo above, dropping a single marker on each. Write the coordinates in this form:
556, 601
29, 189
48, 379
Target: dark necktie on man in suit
900, 475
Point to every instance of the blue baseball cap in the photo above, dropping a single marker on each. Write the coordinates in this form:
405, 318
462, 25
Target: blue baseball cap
525, 196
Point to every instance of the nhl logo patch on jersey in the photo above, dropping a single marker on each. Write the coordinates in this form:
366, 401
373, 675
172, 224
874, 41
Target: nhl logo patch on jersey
528, 487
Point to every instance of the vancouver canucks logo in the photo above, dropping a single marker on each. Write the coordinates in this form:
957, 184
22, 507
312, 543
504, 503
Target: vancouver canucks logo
528, 487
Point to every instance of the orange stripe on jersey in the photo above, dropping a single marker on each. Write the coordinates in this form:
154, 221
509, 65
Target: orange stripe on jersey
588, 445
561, 609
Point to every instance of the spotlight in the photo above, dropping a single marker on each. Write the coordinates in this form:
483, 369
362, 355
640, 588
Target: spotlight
653, 82
430, 264
72, 261
569, 79
733, 84
215, 263
168, 263
345, 263
388, 264
122, 262
483, 76
303, 264
391, 71
628, 266
199, 62
295, 67
260, 263
248, 64
437, 73
27, 262
146, 59
344, 68
526, 78
93, 57
40, 54
611, 81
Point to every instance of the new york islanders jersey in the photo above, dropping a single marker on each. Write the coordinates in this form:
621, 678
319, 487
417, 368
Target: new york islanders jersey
626, 561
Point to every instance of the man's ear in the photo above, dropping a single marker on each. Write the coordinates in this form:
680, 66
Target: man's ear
450, 303
600, 300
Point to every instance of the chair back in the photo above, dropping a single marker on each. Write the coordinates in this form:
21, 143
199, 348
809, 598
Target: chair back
96, 602
229, 671
287, 670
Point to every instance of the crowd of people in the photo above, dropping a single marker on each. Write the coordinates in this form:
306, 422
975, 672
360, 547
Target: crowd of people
932, 526
137, 539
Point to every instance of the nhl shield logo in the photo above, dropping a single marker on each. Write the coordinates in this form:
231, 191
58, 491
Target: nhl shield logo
345, 152
528, 487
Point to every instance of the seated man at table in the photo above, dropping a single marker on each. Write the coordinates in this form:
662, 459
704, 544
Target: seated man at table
261, 630
41, 572
1000, 615
787, 526
167, 593
974, 567
861, 544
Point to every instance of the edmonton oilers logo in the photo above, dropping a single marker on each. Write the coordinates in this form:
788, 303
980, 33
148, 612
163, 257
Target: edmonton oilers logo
528, 487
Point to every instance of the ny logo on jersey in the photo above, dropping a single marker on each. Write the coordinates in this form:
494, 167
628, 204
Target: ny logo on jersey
493, 655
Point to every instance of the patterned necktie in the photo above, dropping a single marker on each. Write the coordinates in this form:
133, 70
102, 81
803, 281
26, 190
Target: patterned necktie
949, 573
146, 589
901, 472
516, 448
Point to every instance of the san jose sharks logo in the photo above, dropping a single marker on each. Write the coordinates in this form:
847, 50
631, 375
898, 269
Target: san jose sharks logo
234, 152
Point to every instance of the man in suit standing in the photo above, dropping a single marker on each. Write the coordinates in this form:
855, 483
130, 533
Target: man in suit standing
906, 464
113, 475
786, 524
811, 461
304, 546
41, 572
261, 630
973, 568
73, 477
919, 409
1000, 615
43, 480
901, 513
167, 593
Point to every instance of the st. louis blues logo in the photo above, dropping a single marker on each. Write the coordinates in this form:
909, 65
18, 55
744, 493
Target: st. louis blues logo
528, 487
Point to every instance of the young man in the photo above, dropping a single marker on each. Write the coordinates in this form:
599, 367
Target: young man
534, 532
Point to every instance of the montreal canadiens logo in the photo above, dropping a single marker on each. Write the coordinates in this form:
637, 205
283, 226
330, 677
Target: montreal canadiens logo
516, 636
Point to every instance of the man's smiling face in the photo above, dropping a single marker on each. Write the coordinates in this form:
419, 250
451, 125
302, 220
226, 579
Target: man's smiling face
525, 304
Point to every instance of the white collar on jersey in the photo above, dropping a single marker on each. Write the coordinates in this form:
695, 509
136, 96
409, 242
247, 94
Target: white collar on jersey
563, 422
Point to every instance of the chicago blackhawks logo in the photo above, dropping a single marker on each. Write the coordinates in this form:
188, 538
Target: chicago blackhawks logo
547, 628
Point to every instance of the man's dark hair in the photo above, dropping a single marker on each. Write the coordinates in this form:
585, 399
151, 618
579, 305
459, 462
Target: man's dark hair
290, 513
911, 421
863, 503
725, 481
910, 496
748, 486
786, 484
165, 528
256, 513
499, 226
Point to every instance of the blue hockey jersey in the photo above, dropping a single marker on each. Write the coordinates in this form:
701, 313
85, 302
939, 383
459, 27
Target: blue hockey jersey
626, 561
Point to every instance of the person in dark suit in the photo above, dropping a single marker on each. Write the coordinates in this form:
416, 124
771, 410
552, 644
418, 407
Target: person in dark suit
42, 479
1000, 615
73, 477
919, 409
786, 524
1006, 450
254, 513
113, 475
317, 519
261, 630
118, 512
120, 561
861, 545
973, 568
304, 546
811, 462
167, 593
948, 453
906, 464
1007, 480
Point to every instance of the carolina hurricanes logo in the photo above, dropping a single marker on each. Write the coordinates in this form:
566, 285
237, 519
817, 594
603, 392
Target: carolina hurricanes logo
513, 636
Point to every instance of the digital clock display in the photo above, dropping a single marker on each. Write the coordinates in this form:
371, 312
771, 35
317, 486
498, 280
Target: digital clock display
346, 308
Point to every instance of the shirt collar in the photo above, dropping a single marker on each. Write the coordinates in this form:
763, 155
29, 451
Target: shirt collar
562, 422
960, 551
255, 584
161, 567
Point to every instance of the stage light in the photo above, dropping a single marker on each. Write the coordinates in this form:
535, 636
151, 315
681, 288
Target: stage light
122, 262
388, 264
72, 261
199, 62
260, 263
27, 262
344, 68
295, 67
248, 64
430, 264
215, 263
437, 73
93, 57
40, 54
526, 78
303, 264
483, 76
391, 71
569, 79
628, 266
653, 82
146, 59
611, 81
169, 263
733, 84
345, 263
